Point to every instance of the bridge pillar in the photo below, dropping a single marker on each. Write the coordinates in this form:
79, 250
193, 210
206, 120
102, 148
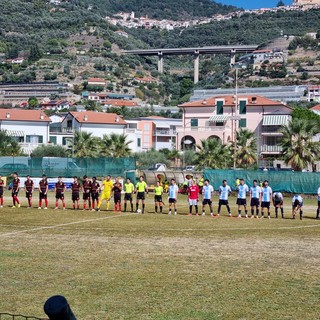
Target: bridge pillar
196, 67
160, 62
232, 57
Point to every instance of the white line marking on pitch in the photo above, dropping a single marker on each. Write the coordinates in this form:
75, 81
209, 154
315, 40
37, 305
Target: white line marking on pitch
61, 225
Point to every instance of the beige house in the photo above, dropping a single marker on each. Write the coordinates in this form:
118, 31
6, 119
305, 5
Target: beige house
218, 118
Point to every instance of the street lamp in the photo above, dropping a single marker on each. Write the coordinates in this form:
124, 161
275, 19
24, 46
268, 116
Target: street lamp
185, 142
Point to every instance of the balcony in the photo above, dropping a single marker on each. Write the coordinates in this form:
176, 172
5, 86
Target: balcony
165, 132
271, 149
202, 129
271, 131
62, 130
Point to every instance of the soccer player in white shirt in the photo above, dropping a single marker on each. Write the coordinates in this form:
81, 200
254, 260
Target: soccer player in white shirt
173, 196
297, 204
266, 194
318, 210
242, 189
207, 191
255, 198
224, 192
277, 200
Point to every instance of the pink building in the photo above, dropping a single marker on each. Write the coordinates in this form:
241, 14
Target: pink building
216, 117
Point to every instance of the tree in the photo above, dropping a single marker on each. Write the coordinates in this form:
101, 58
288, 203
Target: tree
246, 153
49, 151
298, 148
280, 4
35, 53
8, 146
33, 102
115, 146
212, 153
146, 159
85, 145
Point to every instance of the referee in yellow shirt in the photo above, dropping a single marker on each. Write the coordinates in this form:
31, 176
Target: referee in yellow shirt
128, 191
158, 191
107, 185
141, 189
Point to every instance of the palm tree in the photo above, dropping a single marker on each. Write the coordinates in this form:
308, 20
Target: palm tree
8, 145
298, 149
85, 145
115, 146
246, 153
212, 153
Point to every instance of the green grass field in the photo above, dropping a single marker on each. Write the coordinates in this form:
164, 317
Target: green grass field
130, 266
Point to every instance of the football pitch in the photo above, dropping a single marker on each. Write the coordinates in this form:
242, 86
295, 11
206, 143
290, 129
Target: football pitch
150, 266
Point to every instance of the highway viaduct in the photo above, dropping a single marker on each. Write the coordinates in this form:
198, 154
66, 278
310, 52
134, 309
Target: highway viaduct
195, 52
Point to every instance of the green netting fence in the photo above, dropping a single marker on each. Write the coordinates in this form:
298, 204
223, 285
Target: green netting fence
66, 167
283, 181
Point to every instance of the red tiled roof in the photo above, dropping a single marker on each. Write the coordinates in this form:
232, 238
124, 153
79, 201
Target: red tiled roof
96, 80
98, 117
252, 100
316, 108
120, 103
23, 115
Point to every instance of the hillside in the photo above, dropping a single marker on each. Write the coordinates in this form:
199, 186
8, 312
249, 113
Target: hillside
162, 9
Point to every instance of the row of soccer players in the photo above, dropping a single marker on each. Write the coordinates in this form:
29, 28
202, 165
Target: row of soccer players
258, 196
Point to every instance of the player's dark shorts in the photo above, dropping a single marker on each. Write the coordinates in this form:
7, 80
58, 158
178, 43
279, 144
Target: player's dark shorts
157, 198
42, 196
86, 196
128, 196
223, 202
297, 204
28, 194
278, 203
254, 202
141, 196
75, 196
95, 196
1, 193
117, 197
172, 200
265, 204
206, 201
60, 196
318, 200
14, 193
241, 202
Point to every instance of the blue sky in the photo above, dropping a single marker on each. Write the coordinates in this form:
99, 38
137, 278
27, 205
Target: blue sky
253, 4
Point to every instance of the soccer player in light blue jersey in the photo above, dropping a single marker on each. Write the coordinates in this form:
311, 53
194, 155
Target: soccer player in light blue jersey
224, 193
207, 191
266, 195
277, 200
242, 189
255, 198
173, 196
297, 204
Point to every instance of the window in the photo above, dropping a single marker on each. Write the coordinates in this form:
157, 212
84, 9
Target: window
243, 107
194, 122
242, 123
219, 107
34, 139
53, 139
66, 141
139, 142
219, 124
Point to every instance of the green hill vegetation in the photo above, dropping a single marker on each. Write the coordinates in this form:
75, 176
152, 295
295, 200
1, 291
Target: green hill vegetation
162, 9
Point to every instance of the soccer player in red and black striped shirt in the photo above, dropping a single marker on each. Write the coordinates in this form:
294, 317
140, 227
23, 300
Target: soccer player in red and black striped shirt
60, 189
29, 187
75, 188
95, 187
86, 192
15, 190
1, 192
43, 192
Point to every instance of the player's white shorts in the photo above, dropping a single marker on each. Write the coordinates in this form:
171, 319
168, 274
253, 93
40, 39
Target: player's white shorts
193, 202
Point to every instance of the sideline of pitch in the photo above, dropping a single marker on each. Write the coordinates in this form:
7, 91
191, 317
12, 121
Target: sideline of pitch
62, 225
